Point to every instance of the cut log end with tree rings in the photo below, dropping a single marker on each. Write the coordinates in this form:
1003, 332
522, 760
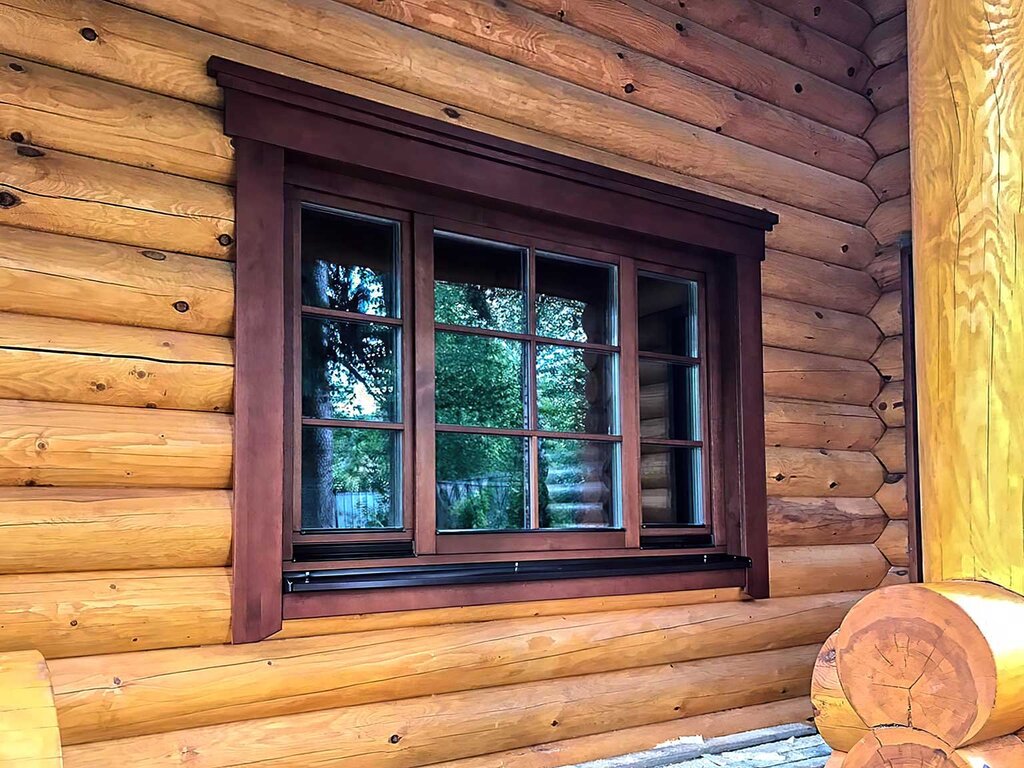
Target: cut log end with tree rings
899, 748
836, 720
940, 658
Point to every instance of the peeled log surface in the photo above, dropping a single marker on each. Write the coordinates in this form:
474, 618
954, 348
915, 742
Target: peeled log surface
164, 691
835, 760
807, 522
888, 313
59, 276
890, 220
62, 444
910, 748
842, 19
839, 725
891, 450
810, 376
822, 473
889, 359
897, 575
802, 424
80, 614
944, 658
892, 496
29, 736
887, 41
53, 530
816, 329
886, 268
420, 731
890, 131
813, 281
894, 543
70, 361
889, 86
890, 404
890, 176
823, 569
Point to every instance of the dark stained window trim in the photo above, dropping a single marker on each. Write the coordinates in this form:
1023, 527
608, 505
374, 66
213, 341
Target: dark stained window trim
277, 123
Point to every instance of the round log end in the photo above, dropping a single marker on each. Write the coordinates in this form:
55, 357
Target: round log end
899, 748
834, 717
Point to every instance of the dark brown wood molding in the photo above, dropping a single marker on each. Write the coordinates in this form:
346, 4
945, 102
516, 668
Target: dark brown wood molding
910, 408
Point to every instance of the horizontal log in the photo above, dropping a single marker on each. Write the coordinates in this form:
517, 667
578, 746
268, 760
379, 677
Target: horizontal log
81, 614
890, 176
419, 731
810, 522
895, 746
887, 41
806, 376
892, 497
162, 56
70, 361
888, 313
53, 530
842, 19
888, 359
823, 569
173, 690
890, 405
367, 45
100, 200
822, 473
649, 27
58, 276
807, 328
56, 109
886, 268
894, 543
898, 574
781, 36
812, 281
29, 736
891, 220
890, 131
601, 746
803, 424
837, 722
86, 445
891, 450
888, 87
881, 10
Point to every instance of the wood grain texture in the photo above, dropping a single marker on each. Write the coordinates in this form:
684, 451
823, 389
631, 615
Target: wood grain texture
894, 543
86, 445
822, 473
842, 19
810, 522
58, 276
807, 328
890, 131
887, 87
888, 359
891, 450
173, 690
890, 406
812, 281
810, 376
890, 176
967, 116
804, 424
88, 529
887, 41
886, 268
822, 569
881, 10
892, 497
898, 574
94, 612
420, 731
890, 220
29, 736
888, 313
837, 722
73, 195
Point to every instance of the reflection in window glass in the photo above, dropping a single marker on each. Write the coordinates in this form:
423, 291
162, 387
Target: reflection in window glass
481, 482
349, 262
349, 370
479, 381
577, 483
575, 390
575, 300
667, 321
669, 401
350, 478
479, 284
671, 483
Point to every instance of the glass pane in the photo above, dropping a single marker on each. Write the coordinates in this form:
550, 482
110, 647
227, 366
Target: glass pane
578, 487
479, 381
667, 316
350, 262
350, 478
575, 300
349, 370
479, 283
672, 485
575, 390
669, 401
481, 482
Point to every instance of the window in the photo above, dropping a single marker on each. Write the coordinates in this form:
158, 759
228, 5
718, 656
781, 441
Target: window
469, 371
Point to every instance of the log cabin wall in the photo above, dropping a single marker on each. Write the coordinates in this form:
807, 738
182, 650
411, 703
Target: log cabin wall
116, 285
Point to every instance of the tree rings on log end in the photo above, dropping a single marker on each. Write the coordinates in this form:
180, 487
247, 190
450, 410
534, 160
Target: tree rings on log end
899, 748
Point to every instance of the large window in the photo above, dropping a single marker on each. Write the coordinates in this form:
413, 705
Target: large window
469, 372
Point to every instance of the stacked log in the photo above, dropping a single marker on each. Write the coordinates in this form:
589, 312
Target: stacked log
925, 675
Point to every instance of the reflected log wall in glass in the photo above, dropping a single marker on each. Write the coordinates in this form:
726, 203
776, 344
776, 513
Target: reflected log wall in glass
578, 482
575, 300
671, 482
575, 390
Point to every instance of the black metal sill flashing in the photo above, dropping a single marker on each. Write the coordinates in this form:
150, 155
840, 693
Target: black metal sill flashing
505, 572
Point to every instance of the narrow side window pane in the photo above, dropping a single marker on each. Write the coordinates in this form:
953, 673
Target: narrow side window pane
350, 370
669, 401
578, 483
575, 300
350, 262
576, 390
479, 283
351, 478
481, 482
479, 381
667, 317
671, 482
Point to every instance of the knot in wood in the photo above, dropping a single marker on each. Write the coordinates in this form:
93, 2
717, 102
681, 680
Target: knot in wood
154, 255
395, 738
15, 67
17, 137
629, 88
25, 151
452, 112
181, 306
89, 34
225, 240
9, 200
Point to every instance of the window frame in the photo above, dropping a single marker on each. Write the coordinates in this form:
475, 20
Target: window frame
293, 140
